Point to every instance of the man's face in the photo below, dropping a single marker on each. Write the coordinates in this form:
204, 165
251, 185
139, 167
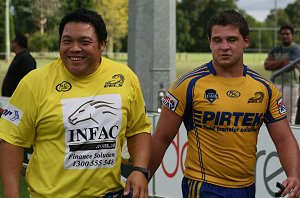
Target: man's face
286, 37
80, 50
227, 46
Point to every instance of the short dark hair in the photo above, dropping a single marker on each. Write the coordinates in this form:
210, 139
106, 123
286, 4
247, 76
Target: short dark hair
287, 27
21, 40
86, 16
228, 17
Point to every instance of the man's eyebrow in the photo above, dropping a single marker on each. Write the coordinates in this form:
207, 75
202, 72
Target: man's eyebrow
80, 38
65, 36
86, 37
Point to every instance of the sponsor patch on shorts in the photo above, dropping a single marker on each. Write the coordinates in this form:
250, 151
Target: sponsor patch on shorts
12, 114
280, 106
170, 101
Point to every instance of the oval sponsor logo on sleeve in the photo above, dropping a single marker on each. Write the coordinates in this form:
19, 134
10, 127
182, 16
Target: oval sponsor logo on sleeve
170, 101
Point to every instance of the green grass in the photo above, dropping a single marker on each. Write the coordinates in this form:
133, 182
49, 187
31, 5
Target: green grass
188, 61
184, 62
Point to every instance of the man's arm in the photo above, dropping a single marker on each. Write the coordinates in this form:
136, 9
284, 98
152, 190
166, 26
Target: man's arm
11, 160
139, 147
272, 64
166, 129
289, 155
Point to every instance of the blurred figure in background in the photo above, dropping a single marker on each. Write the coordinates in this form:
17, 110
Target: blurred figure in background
22, 64
288, 82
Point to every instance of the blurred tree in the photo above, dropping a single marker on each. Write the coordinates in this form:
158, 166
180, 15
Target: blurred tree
42, 10
282, 18
69, 5
183, 27
115, 15
191, 30
194, 15
2, 28
22, 15
292, 10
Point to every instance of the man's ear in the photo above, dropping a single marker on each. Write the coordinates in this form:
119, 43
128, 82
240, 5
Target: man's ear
103, 45
246, 41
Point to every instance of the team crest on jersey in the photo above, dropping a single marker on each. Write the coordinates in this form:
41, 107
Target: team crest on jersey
233, 94
170, 101
64, 86
258, 98
211, 95
118, 80
280, 106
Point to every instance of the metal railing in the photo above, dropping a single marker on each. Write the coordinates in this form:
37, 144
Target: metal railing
284, 69
290, 97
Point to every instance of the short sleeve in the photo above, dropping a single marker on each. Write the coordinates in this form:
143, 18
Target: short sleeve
175, 98
17, 125
276, 109
138, 121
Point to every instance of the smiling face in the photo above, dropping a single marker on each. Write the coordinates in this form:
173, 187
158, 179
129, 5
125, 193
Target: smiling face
80, 50
227, 46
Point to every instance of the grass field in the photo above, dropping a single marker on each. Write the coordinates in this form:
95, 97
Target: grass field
184, 62
188, 61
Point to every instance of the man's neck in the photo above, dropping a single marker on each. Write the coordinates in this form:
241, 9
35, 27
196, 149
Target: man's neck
19, 50
287, 44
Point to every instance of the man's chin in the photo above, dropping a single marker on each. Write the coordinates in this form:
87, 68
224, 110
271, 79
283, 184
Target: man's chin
75, 70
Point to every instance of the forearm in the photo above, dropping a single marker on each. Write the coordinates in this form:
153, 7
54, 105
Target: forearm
289, 155
157, 154
274, 65
139, 147
11, 159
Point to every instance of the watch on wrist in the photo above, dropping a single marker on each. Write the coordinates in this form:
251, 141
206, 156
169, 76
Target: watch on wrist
145, 171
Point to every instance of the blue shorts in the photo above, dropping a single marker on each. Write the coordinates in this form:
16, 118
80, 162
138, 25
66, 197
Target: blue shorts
198, 189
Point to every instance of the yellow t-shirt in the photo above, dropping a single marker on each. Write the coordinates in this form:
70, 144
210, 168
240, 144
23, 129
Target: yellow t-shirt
76, 126
222, 117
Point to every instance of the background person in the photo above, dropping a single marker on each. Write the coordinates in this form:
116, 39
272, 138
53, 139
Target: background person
82, 107
21, 65
222, 104
288, 82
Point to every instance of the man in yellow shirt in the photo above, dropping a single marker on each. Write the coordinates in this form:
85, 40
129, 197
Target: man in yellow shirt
222, 104
76, 112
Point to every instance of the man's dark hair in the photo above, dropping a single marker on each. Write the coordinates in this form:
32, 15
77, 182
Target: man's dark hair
21, 40
228, 17
287, 27
86, 16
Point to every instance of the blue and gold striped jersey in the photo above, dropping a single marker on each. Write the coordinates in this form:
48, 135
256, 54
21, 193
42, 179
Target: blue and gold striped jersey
222, 117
